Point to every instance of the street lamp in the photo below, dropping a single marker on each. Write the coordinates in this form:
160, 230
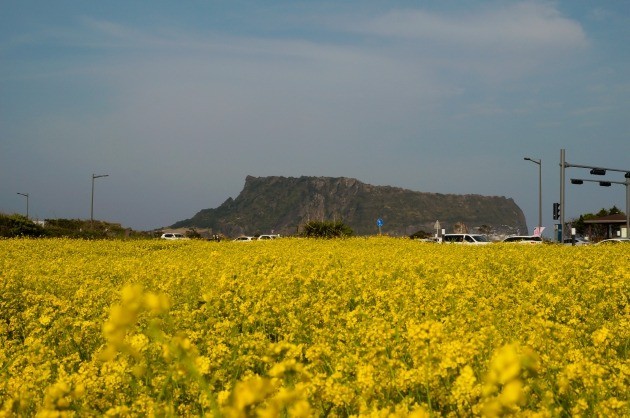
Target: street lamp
94, 176
25, 195
539, 163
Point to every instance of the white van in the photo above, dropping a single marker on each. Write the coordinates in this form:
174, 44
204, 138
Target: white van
473, 239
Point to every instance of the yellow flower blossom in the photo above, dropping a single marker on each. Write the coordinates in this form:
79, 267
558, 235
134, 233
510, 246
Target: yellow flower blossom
45, 319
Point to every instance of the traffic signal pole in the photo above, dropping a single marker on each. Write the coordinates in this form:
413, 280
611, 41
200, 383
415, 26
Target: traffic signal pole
608, 184
562, 174
595, 170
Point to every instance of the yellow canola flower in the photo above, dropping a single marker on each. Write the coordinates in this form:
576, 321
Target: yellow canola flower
131, 296
505, 365
203, 365
301, 409
512, 394
247, 394
157, 303
45, 319
465, 389
600, 336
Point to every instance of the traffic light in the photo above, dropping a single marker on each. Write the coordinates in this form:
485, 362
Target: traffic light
605, 183
598, 172
556, 211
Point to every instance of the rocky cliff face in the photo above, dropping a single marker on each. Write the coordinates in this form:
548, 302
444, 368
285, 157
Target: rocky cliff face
283, 204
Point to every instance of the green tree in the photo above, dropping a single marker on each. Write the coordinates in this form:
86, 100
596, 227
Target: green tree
19, 226
193, 233
614, 211
327, 229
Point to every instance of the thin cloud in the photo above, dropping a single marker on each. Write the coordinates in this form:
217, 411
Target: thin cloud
522, 25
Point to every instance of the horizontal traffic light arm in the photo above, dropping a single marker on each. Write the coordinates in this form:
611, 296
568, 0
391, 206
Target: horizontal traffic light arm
580, 181
593, 167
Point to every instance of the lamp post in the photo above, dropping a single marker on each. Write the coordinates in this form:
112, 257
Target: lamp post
94, 176
25, 195
539, 163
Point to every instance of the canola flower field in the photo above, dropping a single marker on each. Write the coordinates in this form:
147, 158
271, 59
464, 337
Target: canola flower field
293, 327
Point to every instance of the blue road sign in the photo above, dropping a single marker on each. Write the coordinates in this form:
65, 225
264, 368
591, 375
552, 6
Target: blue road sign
379, 222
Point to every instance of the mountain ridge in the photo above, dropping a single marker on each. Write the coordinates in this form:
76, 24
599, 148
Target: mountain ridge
277, 204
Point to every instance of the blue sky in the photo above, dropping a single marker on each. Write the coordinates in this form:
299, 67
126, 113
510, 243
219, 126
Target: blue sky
179, 101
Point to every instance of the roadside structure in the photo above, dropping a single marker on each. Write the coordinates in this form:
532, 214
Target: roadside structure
613, 224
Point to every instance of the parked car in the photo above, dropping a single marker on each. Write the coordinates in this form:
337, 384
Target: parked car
244, 238
524, 239
615, 241
267, 236
473, 239
578, 241
172, 235
430, 239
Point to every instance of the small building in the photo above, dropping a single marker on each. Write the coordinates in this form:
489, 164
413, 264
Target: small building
614, 225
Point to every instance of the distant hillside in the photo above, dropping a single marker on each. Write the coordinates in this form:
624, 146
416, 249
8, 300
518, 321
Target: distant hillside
283, 204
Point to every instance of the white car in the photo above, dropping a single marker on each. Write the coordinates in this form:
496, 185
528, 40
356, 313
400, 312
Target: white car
471, 239
524, 239
267, 237
615, 241
172, 235
244, 238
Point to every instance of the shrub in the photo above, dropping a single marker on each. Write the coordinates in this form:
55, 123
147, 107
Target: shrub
420, 235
